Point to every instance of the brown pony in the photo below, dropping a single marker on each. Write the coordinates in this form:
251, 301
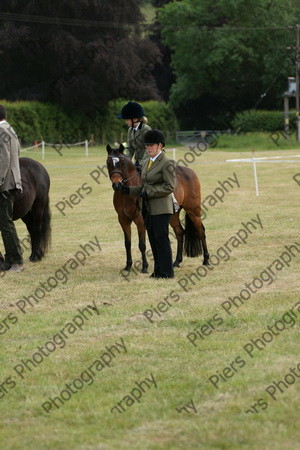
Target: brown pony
188, 196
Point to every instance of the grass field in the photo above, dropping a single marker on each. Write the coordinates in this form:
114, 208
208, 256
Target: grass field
221, 373
257, 141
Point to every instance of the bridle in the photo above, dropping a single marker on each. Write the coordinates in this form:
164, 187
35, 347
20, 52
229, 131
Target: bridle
116, 159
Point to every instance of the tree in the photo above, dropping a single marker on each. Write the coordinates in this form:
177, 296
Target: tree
79, 54
226, 54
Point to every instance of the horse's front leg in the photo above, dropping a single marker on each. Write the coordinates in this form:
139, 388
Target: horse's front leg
126, 226
138, 220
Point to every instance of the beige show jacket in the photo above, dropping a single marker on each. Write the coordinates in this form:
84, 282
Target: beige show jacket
10, 177
159, 183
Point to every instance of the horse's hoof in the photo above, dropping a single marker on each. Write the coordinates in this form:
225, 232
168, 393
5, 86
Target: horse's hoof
34, 258
176, 264
127, 268
144, 270
206, 263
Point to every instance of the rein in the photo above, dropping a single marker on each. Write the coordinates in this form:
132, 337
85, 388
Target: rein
130, 178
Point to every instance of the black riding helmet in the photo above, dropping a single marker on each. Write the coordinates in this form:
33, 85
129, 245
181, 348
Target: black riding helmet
154, 136
131, 111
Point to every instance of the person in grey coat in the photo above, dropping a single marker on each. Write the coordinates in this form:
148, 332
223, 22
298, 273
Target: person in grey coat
10, 184
134, 116
158, 183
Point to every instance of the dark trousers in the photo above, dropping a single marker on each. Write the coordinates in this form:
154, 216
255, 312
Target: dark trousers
158, 233
13, 254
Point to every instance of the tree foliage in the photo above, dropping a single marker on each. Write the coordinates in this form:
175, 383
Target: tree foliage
79, 54
229, 55
37, 121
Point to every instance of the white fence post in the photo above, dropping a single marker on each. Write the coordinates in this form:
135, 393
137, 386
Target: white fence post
255, 176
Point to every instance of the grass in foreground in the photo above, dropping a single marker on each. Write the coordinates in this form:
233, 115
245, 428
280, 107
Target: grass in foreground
218, 418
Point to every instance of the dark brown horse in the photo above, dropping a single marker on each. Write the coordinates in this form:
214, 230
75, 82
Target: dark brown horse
32, 206
188, 196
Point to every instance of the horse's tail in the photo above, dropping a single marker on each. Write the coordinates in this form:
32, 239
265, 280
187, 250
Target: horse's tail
46, 228
192, 242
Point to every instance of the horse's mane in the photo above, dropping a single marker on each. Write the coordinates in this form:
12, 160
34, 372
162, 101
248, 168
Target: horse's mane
127, 160
130, 167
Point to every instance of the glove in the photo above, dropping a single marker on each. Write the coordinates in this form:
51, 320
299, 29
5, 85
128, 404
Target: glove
116, 186
138, 167
144, 195
121, 188
125, 189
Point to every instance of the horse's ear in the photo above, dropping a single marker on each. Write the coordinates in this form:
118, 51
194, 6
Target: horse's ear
121, 148
108, 148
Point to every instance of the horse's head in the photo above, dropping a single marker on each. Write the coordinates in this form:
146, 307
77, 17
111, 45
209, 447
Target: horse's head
119, 166
115, 163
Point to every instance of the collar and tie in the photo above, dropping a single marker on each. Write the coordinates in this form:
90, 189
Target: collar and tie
149, 164
151, 161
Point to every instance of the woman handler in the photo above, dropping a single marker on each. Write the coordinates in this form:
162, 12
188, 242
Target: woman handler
134, 116
158, 184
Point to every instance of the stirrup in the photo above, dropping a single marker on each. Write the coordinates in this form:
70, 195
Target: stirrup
176, 206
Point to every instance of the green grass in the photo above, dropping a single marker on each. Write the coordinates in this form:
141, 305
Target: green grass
257, 141
161, 348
